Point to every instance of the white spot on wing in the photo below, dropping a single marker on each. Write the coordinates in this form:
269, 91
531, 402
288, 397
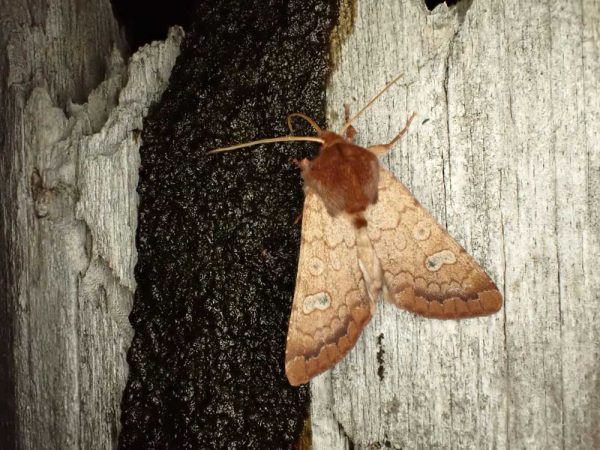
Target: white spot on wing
437, 260
320, 301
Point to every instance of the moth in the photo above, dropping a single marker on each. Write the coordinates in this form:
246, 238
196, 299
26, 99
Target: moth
364, 235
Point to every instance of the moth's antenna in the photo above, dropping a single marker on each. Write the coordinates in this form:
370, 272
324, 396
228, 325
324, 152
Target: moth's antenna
312, 123
268, 141
387, 86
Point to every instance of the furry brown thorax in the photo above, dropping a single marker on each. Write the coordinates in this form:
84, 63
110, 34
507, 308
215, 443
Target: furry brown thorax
344, 175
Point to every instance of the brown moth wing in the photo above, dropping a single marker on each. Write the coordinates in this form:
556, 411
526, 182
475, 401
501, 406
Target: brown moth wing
425, 270
331, 305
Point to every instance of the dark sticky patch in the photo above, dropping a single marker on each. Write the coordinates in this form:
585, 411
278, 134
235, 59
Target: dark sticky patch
380, 353
217, 244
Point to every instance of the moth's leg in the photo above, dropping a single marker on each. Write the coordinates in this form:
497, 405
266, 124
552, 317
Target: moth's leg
382, 149
350, 131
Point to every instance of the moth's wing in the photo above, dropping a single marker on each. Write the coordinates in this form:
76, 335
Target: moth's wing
425, 270
331, 305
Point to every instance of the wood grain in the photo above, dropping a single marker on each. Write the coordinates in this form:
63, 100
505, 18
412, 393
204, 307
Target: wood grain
68, 174
504, 153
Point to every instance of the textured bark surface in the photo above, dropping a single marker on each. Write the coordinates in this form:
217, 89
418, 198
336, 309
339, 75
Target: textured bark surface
68, 215
506, 156
217, 241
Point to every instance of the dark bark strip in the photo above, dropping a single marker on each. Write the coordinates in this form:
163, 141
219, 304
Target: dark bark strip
216, 239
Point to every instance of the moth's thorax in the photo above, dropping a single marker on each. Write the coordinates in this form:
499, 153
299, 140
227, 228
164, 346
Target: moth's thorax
344, 175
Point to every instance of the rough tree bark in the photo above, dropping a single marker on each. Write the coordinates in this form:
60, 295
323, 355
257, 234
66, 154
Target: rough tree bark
506, 155
68, 175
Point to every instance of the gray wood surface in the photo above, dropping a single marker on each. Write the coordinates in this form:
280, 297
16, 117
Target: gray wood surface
69, 210
505, 152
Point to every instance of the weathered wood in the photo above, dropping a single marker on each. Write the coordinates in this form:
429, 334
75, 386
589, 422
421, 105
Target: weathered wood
69, 209
509, 161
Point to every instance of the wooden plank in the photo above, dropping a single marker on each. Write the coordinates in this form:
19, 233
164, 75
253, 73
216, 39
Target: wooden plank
69, 173
508, 160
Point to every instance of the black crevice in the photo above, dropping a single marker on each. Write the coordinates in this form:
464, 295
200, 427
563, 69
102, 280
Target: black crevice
145, 21
431, 4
